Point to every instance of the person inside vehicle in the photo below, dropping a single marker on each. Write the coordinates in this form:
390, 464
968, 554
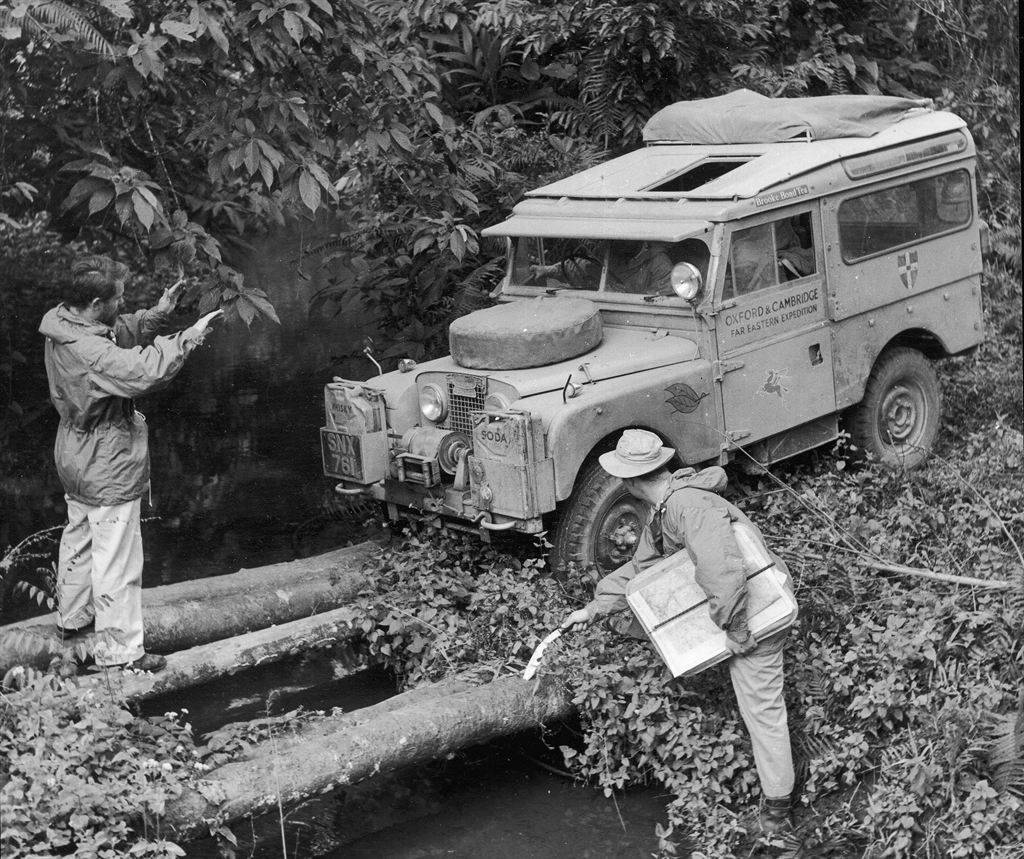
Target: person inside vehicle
640, 268
794, 248
752, 261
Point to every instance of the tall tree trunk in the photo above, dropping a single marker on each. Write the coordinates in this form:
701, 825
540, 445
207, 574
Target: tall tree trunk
411, 728
186, 614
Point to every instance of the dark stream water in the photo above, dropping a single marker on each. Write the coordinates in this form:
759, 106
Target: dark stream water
237, 482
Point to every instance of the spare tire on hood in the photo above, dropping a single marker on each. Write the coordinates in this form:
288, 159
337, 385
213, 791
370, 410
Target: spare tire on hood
529, 333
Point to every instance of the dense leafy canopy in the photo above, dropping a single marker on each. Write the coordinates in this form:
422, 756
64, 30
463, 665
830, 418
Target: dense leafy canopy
177, 125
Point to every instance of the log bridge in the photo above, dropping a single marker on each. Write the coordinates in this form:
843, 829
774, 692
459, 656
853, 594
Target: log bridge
218, 626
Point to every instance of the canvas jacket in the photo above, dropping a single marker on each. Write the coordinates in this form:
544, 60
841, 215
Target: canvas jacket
95, 371
693, 517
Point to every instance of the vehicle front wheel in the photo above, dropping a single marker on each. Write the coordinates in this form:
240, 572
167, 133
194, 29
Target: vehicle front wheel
898, 419
600, 524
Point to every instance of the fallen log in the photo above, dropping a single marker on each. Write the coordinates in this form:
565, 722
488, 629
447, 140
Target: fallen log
411, 728
207, 662
187, 614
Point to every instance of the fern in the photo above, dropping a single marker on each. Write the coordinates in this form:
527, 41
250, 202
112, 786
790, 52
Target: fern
1006, 752
63, 23
473, 294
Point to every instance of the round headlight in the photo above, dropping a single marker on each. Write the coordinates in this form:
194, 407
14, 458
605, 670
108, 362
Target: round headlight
496, 403
432, 404
686, 280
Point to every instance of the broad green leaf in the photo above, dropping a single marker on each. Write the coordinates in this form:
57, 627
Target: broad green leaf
82, 189
321, 176
529, 70
252, 157
402, 140
267, 173
214, 28
100, 200
436, 114
181, 30
246, 309
309, 191
457, 244
261, 303
150, 198
293, 24
275, 158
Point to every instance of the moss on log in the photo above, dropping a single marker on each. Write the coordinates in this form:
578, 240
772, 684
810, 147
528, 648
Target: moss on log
411, 728
196, 612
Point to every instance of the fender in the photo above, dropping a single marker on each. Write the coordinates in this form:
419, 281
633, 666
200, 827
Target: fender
676, 401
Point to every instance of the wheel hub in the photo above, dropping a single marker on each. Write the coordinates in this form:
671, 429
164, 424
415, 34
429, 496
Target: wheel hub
902, 414
618, 535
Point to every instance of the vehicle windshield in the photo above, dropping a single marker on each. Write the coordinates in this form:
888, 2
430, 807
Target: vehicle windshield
617, 266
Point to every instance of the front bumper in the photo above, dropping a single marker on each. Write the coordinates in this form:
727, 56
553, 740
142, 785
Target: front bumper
495, 478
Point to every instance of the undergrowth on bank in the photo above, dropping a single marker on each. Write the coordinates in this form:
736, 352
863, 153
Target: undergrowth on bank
83, 775
904, 694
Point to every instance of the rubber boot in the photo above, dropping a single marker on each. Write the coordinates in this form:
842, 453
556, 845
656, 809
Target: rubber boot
776, 815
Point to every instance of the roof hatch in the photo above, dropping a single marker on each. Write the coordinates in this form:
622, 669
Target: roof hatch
695, 175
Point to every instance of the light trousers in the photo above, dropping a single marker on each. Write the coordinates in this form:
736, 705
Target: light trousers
757, 680
99, 575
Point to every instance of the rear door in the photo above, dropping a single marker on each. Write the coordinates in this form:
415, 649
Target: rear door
775, 352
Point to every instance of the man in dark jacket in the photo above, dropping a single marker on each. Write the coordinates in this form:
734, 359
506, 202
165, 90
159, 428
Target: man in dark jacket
97, 362
687, 513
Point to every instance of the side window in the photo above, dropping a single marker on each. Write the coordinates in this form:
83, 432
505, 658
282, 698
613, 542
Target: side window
770, 254
887, 219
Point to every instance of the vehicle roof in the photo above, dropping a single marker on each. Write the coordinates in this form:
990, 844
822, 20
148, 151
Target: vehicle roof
769, 164
769, 175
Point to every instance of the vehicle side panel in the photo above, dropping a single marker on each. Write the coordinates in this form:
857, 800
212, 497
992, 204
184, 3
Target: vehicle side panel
859, 340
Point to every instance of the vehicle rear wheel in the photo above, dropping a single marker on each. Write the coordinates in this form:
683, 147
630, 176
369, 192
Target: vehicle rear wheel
898, 419
600, 524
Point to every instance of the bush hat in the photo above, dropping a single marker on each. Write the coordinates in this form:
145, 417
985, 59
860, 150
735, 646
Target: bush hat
637, 452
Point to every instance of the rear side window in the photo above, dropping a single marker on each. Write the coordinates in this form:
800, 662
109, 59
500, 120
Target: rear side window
888, 219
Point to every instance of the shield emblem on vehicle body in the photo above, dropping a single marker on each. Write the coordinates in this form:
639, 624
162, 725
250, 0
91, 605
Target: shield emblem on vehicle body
906, 264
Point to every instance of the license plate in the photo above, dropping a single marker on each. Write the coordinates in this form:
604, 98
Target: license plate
342, 453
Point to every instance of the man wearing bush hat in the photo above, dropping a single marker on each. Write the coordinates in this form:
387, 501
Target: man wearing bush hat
688, 513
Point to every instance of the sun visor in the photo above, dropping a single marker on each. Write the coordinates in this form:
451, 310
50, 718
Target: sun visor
621, 219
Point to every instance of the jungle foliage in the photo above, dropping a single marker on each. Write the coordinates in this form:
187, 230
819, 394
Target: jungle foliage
904, 695
176, 127
163, 132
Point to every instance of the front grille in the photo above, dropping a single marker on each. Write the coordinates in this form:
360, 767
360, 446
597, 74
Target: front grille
460, 405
